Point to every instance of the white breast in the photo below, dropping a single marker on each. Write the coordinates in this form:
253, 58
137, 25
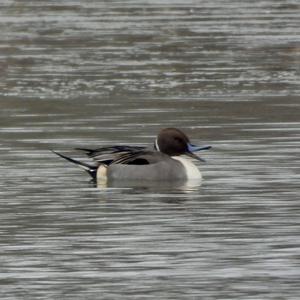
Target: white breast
191, 169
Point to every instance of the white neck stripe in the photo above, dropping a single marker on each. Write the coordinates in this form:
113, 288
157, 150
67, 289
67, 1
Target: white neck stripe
156, 145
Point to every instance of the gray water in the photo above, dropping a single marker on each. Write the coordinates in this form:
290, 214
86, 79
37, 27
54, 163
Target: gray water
94, 73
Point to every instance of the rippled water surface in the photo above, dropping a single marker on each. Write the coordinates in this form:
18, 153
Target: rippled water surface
93, 73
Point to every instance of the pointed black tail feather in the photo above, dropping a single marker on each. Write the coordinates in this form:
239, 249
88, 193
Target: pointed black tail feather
92, 170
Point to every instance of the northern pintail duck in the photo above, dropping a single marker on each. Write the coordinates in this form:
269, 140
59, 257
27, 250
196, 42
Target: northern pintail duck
169, 160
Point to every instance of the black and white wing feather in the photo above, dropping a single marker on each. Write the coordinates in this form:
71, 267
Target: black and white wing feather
112, 154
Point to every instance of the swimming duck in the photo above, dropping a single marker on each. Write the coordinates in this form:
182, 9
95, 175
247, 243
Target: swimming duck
169, 160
